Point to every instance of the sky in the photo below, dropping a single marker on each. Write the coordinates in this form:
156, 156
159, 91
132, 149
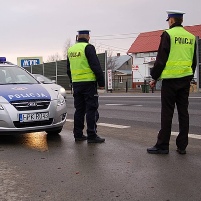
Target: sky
32, 28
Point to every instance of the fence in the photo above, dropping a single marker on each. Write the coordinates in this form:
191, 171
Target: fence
54, 71
58, 70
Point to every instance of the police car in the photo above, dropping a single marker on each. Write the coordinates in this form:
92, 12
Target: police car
51, 83
26, 105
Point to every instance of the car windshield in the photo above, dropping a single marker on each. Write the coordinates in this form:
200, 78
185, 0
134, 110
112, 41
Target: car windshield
15, 75
41, 77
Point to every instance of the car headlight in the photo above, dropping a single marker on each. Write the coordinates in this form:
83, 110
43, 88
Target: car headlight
1, 107
62, 90
60, 100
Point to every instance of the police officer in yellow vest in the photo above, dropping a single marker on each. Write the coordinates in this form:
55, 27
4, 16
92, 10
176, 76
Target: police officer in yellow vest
84, 71
175, 65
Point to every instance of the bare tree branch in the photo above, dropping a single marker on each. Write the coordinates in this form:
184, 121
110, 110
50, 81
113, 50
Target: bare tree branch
66, 47
111, 61
54, 57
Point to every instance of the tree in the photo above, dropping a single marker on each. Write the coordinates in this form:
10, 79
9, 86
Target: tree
111, 61
67, 44
54, 57
98, 47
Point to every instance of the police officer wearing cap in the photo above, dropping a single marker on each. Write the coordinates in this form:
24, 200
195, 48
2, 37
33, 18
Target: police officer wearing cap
85, 73
175, 65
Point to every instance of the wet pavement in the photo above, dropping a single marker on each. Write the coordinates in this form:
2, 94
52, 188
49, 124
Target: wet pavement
38, 167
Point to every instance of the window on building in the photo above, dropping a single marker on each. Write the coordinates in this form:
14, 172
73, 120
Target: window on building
120, 79
153, 54
146, 54
140, 55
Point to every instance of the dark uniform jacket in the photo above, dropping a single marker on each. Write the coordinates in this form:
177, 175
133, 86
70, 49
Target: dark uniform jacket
163, 53
94, 64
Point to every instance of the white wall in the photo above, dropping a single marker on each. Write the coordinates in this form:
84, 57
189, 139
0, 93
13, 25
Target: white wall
143, 70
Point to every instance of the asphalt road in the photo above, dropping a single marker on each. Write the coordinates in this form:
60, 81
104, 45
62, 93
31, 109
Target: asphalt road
38, 167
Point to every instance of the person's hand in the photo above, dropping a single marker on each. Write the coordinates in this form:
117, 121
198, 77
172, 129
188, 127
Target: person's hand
101, 90
152, 84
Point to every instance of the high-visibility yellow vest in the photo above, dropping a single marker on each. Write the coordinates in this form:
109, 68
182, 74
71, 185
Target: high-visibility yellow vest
181, 54
79, 66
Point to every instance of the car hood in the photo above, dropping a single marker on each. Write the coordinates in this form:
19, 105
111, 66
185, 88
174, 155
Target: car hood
24, 92
53, 86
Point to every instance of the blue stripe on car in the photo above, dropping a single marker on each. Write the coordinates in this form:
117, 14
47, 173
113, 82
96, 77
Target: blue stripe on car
23, 92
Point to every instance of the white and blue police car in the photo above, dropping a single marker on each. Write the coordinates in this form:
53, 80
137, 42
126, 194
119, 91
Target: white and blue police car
26, 105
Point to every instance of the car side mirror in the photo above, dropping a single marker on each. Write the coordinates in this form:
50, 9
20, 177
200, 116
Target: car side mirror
41, 80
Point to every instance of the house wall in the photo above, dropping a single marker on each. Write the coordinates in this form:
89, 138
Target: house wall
143, 69
123, 83
122, 80
143, 65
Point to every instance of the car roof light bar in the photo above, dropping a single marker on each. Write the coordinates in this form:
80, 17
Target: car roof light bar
2, 59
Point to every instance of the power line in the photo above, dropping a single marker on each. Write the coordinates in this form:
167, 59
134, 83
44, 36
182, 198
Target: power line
115, 38
115, 35
111, 37
113, 47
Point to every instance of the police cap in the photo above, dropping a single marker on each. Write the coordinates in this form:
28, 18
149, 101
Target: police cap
83, 32
174, 13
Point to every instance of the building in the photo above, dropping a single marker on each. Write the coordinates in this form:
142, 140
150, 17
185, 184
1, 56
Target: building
121, 68
144, 52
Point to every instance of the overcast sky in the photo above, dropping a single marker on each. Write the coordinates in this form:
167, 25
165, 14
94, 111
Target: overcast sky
42, 27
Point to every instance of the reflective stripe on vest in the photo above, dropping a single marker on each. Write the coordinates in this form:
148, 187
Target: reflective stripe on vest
79, 66
181, 54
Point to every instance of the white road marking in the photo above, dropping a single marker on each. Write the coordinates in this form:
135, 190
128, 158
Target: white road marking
112, 125
105, 124
152, 96
131, 96
194, 136
118, 104
69, 120
114, 104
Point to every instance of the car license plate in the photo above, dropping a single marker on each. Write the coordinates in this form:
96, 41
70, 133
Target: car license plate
39, 116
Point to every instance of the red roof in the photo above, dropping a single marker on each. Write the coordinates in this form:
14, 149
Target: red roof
149, 41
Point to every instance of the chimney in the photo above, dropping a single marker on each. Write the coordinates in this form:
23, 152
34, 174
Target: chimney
118, 54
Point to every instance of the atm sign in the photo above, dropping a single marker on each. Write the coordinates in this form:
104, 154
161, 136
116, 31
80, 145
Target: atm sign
29, 62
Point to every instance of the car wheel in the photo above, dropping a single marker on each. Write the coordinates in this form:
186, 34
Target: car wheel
54, 132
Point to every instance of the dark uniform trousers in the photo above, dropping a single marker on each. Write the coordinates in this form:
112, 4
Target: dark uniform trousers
174, 91
85, 102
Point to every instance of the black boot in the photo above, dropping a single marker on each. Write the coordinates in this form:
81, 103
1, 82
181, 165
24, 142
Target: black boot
82, 138
156, 150
97, 139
